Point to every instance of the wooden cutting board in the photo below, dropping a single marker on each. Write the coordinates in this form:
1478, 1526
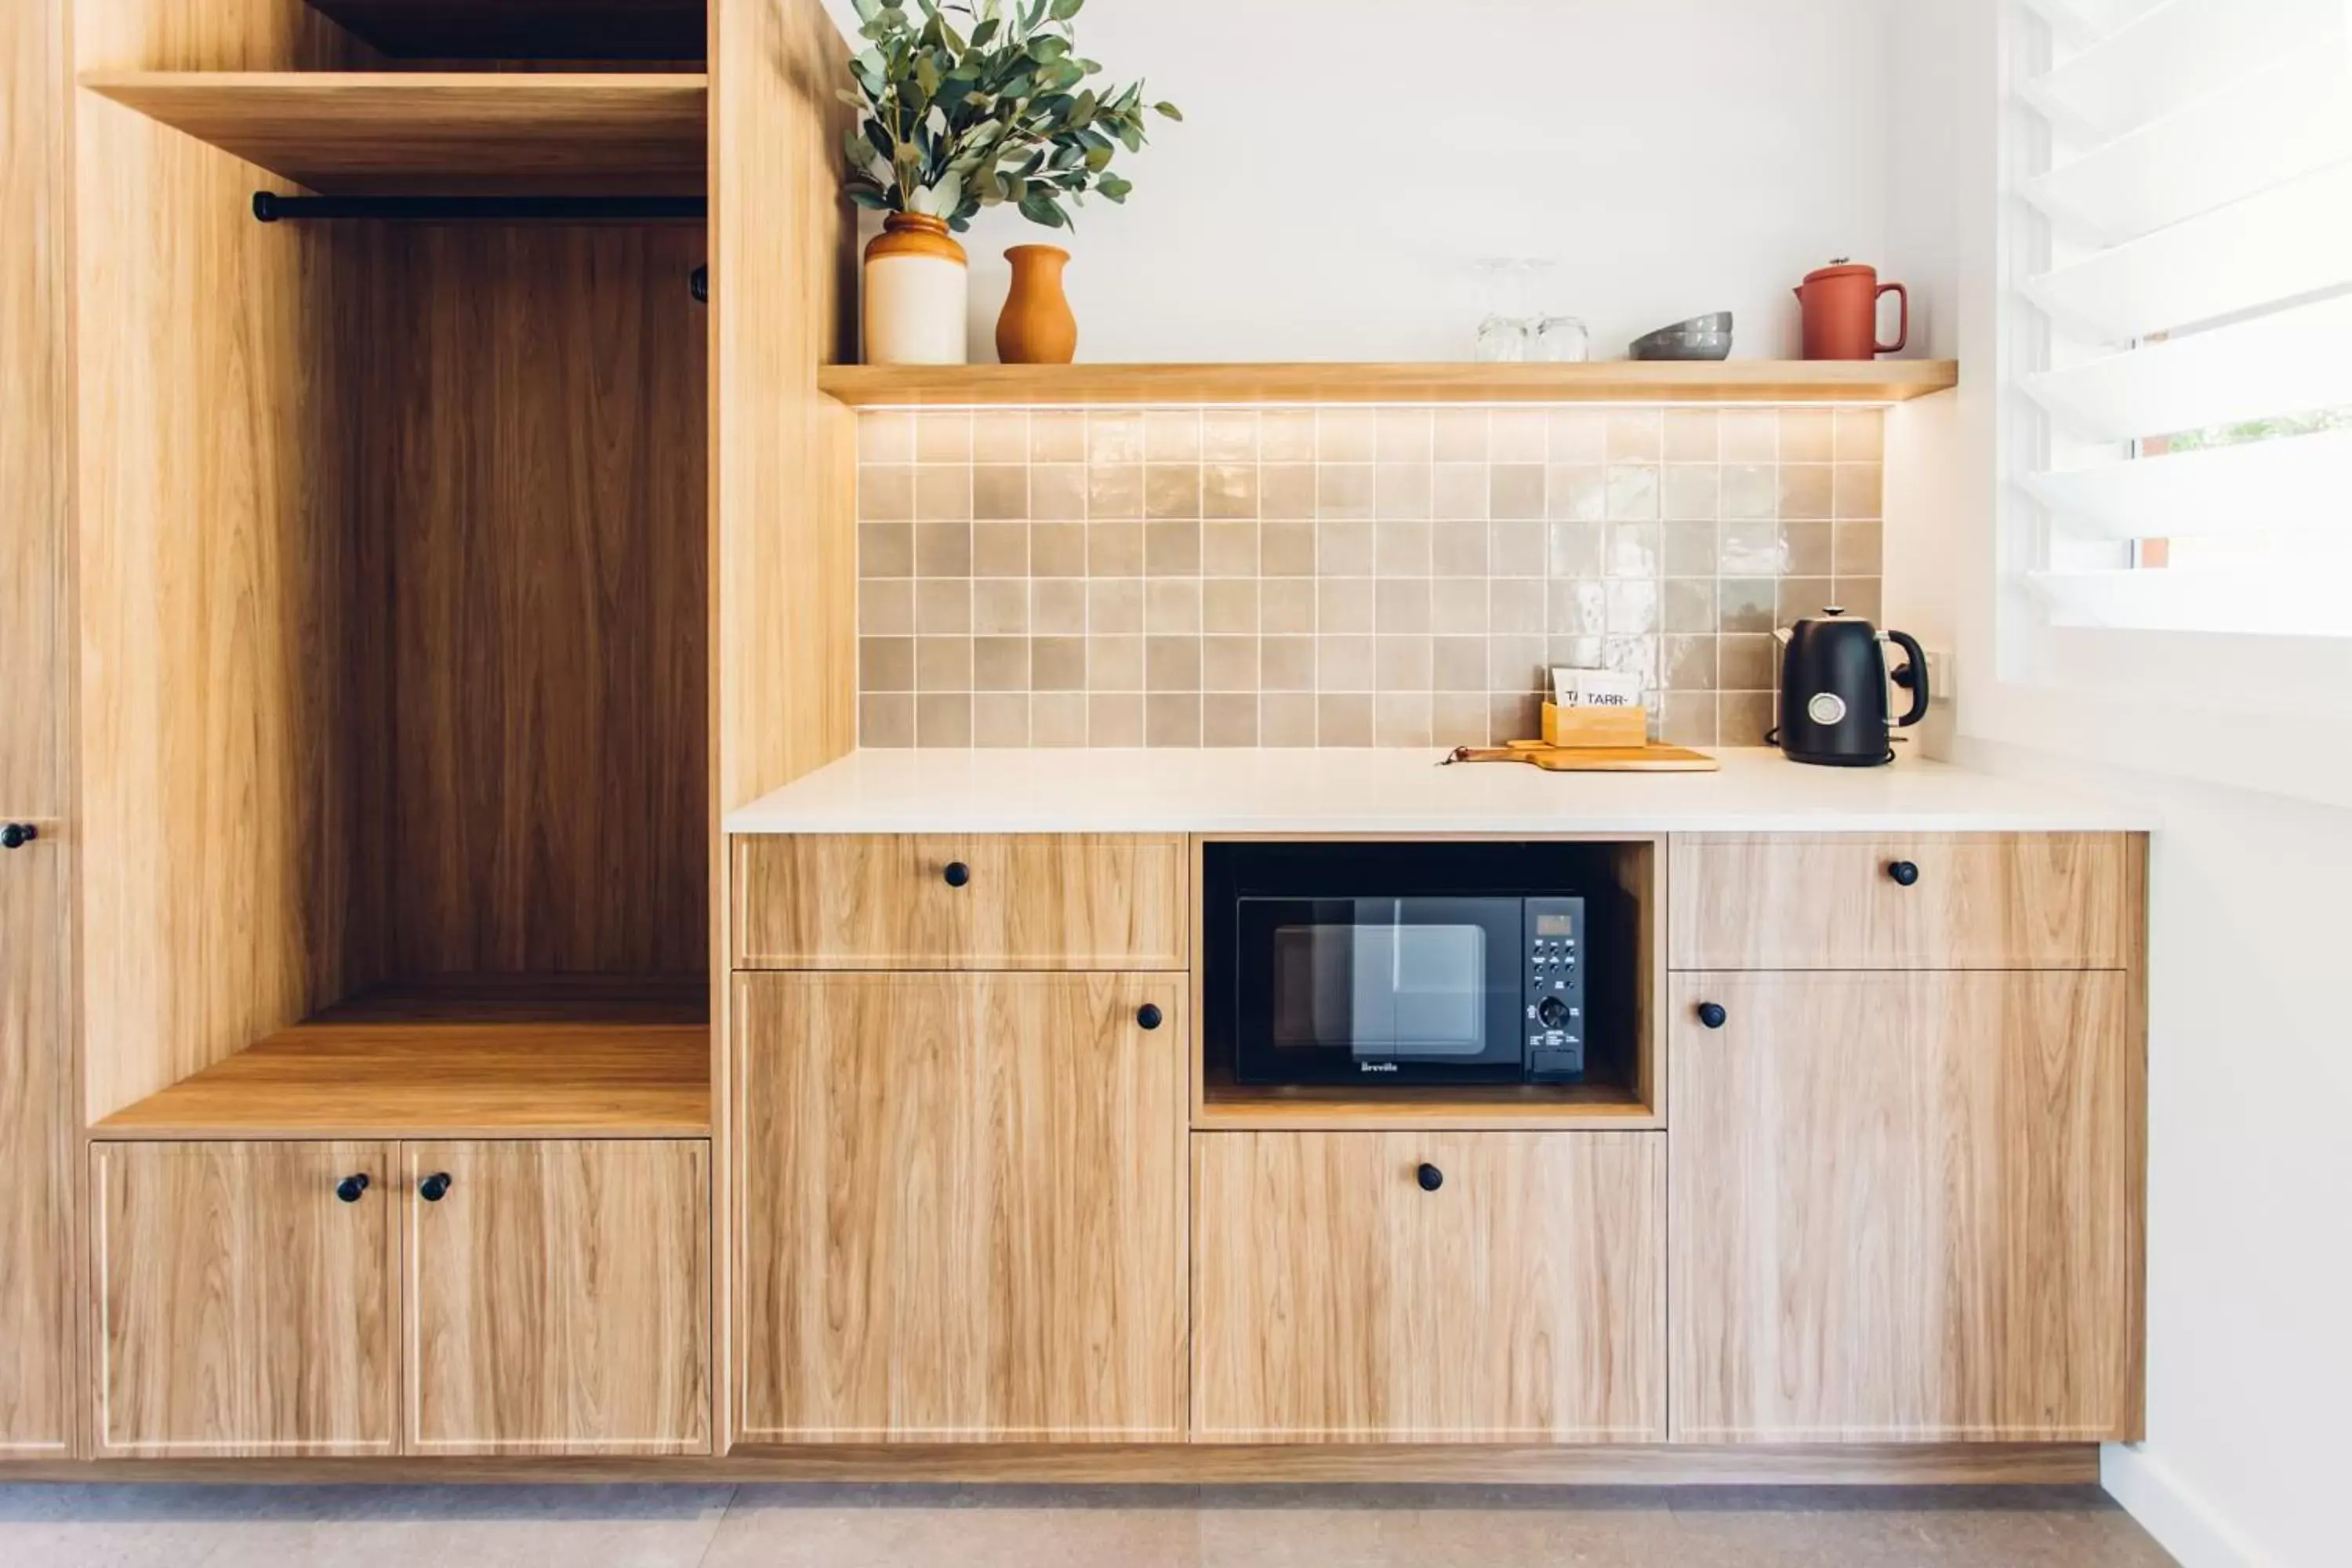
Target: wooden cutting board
1652, 758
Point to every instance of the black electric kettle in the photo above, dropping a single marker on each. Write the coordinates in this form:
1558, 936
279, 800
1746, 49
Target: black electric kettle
1833, 676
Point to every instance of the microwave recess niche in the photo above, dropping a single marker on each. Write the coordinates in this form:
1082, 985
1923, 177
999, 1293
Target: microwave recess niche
1498, 982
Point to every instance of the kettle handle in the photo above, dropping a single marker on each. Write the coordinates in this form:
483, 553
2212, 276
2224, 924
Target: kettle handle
1918, 678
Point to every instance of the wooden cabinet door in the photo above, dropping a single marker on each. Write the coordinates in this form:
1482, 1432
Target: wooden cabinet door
963, 1207
1337, 1296
36, 1350
1908, 900
35, 1254
1907, 1207
1030, 901
244, 1308
559, 1297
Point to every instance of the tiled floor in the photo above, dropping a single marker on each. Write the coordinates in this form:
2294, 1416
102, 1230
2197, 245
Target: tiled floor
872, 1527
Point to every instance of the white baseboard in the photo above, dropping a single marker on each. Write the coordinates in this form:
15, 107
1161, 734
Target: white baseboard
2182, 1523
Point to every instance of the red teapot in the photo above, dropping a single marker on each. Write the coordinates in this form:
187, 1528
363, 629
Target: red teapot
1841, 307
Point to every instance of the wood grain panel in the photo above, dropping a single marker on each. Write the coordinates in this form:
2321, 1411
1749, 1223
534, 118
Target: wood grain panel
559, 1298
1493, 1464
532, 409
242, 1309
1335, 1300
36, 468
36, 1253
1909, 1207
784, 292
37, 1195
783, 468
1032, 901
2027, 900
415, 1080
439, 133
1612, 381
216, 568
964, 1206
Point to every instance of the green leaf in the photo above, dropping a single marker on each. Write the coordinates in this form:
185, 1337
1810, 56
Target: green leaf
1114, 188
867, 10
1046, 47
1168, 110
871, 199
1065, 9
985, 31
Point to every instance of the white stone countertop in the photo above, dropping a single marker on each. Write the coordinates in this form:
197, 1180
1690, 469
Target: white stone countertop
1399, 791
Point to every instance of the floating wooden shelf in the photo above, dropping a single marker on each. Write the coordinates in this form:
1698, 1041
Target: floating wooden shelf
500, 1062
1618, 380
440, 133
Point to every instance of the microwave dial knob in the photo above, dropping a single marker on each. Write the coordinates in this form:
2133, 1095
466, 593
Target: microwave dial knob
1552, 1011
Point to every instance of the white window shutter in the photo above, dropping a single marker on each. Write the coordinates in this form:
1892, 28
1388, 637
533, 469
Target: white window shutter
2201, 197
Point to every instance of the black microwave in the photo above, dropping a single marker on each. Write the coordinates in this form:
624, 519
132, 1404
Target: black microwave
1395, 964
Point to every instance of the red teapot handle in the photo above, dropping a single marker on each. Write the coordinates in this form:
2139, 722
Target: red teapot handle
1902, 321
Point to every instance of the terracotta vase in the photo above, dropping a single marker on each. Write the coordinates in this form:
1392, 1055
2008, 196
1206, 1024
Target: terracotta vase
917, 293
1036, 327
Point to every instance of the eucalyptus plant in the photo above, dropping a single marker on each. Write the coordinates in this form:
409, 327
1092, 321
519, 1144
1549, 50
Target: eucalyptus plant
956, 118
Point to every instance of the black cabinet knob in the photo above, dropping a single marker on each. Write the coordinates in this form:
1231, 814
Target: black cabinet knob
435, 1187
957, 873
1430, 1177
17, 835
1903, 873
1149, 1015
1712, 1015
349, 1188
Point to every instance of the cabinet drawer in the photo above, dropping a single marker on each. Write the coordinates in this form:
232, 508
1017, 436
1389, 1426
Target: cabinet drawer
949, 902
2030, 900
1520, 1299
246, 1297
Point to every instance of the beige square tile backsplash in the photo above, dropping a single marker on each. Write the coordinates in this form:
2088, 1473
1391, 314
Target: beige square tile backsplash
1342, 576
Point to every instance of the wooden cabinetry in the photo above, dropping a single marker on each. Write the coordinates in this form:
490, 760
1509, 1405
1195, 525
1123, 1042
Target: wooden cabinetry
1429, 1288
1920, 900
243, 1307
1907, 1207
963, 1207
987, 901
558, 1298
36, 1269
36, 1266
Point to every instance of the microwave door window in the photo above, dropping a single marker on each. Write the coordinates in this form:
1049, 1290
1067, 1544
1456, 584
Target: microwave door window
1437, 991
1380, 987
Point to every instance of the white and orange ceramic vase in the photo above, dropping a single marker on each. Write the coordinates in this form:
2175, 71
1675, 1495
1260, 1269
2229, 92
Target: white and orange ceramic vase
918, 288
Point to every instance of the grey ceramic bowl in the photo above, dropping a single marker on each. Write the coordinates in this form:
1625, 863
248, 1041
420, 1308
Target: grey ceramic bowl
1682, 345
1701, 337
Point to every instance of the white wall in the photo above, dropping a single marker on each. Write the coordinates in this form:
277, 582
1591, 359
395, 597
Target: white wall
2250, 1050
2250, 1170
1343, 161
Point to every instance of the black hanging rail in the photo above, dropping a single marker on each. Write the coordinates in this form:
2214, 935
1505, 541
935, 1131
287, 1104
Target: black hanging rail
271, 207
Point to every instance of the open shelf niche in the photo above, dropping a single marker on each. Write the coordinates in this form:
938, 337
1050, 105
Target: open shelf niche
399, 604
1623, 882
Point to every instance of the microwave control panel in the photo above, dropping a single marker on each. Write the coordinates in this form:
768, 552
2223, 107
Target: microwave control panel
1554, 989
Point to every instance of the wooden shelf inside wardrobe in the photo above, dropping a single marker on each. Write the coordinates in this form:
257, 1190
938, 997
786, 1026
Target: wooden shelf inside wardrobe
569, 1056
441, 132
